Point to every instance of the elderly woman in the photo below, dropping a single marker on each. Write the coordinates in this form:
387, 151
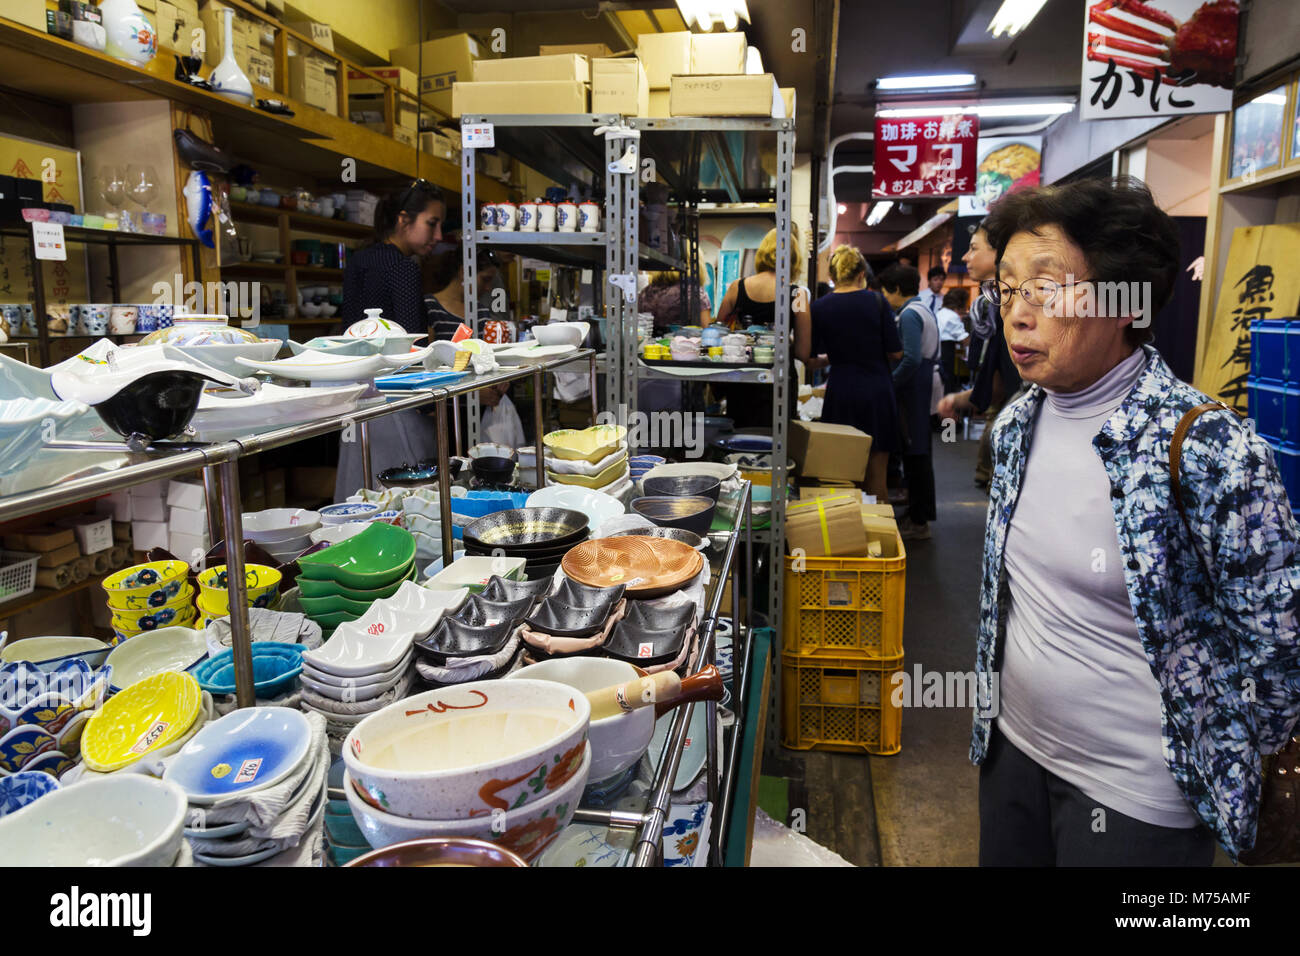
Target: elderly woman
1141, 660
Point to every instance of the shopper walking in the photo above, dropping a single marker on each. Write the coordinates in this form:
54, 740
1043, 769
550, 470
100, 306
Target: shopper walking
385, 275
914, 385
1145, 658
952, 335
854, 328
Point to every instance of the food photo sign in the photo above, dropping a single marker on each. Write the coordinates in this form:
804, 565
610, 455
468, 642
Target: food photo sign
1160, 58
1003, 165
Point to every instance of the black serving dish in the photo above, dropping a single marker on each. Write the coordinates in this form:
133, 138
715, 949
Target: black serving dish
573, 594
480, 612
154, 406
498, 589
521, 527
648, 617
497, 471
544, 551
628, 642
563, 620
680, 486
690, 538
453, 638
541, 571
693, 513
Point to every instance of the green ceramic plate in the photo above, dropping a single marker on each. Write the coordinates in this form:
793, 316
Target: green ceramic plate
326, 589
376, 557
315, 607
330, 621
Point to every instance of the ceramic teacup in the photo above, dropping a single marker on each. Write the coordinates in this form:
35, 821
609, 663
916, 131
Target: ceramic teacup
122, 319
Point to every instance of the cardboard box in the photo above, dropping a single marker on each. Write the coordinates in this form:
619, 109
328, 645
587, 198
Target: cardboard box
664, 55
738, 95
309, 83
318, 33
52, 559
809, 492
527, 69
260, 68
360, 84
150, 489
619, 85
787, 99
660, 103
186, 494
185, 521
447, 60
370, 109
441, 146
718, 53
174, 27
829, 451
148, 509
188, 547
30, 13
882, 534
589, 50
826, 527
94, 533
44, 538
544, 96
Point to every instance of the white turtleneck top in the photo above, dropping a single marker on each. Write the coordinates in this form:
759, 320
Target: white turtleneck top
1076, 691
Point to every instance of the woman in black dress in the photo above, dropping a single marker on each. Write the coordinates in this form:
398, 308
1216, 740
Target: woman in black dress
854, 328
385, 275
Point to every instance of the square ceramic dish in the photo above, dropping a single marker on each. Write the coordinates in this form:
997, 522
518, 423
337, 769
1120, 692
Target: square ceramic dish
474, 572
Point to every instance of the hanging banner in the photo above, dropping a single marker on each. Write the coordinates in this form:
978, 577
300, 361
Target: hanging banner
1259, 282
1162, 58
1003, 165
925, 156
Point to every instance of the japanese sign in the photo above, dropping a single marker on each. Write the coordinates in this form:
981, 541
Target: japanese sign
1003, 165
1161, 58
1259, 282
925, 156
48, 237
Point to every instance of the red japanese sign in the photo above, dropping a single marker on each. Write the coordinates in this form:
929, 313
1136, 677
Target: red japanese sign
925, 156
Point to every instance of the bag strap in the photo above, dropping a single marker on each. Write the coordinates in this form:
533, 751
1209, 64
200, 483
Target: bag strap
1176, 447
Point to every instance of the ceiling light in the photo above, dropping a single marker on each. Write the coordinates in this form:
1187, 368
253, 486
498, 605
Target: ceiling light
878, 212
925, 82
1270, 99
703, 13
841, 209
1013, 16
987, 109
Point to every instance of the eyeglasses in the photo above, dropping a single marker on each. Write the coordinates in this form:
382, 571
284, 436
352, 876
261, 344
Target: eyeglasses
1038, 292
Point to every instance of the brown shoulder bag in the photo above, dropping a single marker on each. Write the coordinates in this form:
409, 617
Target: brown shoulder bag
1277, 829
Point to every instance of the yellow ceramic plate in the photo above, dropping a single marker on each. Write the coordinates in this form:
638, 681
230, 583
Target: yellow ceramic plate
148, 715
586, 444
613, 473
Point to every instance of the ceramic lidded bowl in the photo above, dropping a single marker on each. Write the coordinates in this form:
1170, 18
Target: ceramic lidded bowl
464, 751
526, 830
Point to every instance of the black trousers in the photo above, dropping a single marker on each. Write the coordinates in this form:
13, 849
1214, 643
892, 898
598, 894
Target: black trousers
919, 473
1031, 817
948, 366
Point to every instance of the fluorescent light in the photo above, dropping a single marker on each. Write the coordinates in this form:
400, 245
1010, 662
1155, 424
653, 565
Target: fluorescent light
1271, 99
878, 212
987, 109
925, 82
703, 12
1013, 16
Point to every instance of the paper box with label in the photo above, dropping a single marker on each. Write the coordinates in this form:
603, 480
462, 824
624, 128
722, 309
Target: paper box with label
527, 69
809, 492
660, 103
309, 83
544, 96
664, 55
371, 82
726, 96
441, 146
881, 531
446, 61
619, 85
829, 451
318, 33
826, 527
589, 50
718, 53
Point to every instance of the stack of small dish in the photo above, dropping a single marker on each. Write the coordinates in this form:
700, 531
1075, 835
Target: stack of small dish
638, 465
366, 664
254, 785
480, 639
285, 533
261, 589
593, 457
573, 619
149, 596
151, 719
474, 573
686, 502
338, 584
44, 713
541, 536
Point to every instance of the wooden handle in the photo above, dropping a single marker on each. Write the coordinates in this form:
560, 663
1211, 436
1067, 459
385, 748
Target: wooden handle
627, 697
706, 685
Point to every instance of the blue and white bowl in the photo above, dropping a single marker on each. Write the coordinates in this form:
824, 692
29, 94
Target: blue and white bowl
348, 511
20, 789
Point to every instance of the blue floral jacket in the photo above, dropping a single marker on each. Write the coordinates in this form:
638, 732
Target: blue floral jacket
1223, 647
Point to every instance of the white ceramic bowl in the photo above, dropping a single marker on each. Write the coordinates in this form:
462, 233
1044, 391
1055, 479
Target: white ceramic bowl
526, 830
335, 533
616, 742
153, 652
453, 752
125, 819
560, 333
277, 526
596, 505
48, 653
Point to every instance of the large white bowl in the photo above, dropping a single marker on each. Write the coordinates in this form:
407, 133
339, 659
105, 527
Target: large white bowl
617, 742
596, 505
560, 333
277, 526
469, 749
153, 652
126, 819
526, 831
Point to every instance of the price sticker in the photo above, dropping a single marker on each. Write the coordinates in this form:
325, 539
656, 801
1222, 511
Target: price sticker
248, 771
645, 650
48, 240
478, 136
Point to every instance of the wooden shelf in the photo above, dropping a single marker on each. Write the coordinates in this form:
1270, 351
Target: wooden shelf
1263, 180
267, 215
45, 595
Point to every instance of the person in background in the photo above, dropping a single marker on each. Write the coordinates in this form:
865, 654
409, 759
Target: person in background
444, 288
854, 328
662, 298
996, 378
1140, 637
932, 295
952, 335
914, 383
385, 275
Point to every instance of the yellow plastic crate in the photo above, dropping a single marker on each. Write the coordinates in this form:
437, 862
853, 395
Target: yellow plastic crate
845, 607
841, 705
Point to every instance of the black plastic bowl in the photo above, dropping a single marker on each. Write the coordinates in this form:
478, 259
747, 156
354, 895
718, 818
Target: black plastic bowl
694, 513
157, 406
681, 486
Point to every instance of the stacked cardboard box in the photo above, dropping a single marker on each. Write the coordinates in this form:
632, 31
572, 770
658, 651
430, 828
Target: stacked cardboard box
148, 503
175, 22
446, 60
188, 535
313, 82
708, 74
525, 84
366, 102
619, 85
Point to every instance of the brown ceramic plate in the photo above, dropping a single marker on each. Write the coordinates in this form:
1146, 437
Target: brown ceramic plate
434, 851
647, 566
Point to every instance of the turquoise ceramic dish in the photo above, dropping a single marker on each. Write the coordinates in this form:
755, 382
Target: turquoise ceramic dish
325, 589
275, 667
372, 559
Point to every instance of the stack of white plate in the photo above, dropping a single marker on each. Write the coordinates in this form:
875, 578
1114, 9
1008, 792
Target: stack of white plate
284, 533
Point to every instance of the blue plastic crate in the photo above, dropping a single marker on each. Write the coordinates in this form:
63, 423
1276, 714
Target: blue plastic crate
1276, 412
1288, 464
1275, 351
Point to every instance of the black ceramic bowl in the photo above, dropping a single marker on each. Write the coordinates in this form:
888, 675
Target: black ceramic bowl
677, 534
158, 405
517, 527
694, 513
562, 620
500, 590
572, 593
646, 616
453, 638
545, 550
682, 486
497, 471
478, 611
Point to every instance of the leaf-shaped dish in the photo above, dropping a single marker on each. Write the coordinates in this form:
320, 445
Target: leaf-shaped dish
615, 472
315, 589
362, 648
499, 589
644, 647
372, 559
572, 593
